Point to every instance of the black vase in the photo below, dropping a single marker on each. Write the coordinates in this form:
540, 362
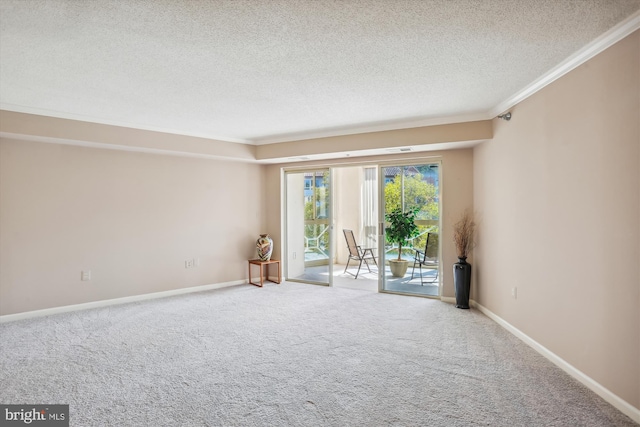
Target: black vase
462, 282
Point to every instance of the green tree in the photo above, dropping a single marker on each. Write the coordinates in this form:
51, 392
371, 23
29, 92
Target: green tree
417, 194
318, 205
402, 228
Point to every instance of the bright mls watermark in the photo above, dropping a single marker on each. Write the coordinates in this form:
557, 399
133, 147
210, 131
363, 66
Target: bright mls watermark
34, 415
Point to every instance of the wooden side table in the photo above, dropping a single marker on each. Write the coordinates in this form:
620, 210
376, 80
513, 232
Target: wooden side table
261, 264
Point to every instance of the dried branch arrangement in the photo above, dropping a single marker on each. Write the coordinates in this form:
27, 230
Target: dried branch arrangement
463, 232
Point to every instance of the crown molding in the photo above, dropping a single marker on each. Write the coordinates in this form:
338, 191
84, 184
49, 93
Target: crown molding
372, 127
90, 119
598, 45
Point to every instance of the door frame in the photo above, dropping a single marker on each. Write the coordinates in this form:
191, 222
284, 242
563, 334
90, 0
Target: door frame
382, 222
285, 222
404, 161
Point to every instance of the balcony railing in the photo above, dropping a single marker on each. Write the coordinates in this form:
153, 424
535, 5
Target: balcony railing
316, 242
419, 242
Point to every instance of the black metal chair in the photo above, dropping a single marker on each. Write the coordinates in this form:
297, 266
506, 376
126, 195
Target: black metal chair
357, 253
427, 258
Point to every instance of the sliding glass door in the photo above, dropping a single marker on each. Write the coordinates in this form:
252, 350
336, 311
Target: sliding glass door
308, 226
412, 188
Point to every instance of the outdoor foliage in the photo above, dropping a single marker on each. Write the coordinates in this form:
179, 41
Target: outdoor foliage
417, 194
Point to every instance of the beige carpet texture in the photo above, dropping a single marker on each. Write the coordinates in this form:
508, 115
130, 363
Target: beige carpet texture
289, 355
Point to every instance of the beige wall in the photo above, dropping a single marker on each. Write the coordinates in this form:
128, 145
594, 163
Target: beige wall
419, 136
65, 131
456, 182
348, 202
558, 195
130, 218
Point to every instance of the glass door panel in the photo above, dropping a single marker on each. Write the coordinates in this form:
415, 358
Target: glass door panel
308, 226
412, 187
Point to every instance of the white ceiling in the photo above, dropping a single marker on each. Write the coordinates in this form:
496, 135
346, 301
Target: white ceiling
260, 71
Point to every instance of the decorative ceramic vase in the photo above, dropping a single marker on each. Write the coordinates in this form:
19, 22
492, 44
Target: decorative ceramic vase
265, 247
462, 282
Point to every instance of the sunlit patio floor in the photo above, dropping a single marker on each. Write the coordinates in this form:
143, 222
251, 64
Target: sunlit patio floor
368, 281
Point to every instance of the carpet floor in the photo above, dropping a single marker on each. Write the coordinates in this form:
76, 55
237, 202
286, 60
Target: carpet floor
289, 355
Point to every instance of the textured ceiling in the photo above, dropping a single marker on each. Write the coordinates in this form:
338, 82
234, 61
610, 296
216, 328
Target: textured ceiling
267, 70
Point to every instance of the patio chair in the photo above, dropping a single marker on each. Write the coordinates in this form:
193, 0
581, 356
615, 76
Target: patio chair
357, 253
427, 258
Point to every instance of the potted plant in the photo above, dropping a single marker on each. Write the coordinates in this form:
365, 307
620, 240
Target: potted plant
463, 232
402, 228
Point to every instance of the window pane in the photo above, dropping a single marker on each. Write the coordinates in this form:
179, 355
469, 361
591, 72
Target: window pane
322, 196
392, 188
410, 187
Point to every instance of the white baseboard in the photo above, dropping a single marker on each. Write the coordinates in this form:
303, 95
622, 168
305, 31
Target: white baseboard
620, 404
123, 300
448, 300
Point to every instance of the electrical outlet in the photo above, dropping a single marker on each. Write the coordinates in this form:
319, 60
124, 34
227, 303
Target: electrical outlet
514, 292
85, 275
188, 263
